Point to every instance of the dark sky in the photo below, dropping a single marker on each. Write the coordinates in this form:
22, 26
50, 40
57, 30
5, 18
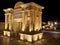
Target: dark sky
49, 13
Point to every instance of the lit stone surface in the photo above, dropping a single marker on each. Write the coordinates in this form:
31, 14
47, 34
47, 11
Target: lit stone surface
4, 32
35, 37
7, 33
40, 35
22, 36
29, 38
24, 19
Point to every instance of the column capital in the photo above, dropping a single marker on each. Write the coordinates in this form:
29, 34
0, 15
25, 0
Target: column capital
7, 14
8, 10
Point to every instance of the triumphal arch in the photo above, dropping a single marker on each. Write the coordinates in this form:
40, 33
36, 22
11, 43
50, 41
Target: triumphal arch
24, 19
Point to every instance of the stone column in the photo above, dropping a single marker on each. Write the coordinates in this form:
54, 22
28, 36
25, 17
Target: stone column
23, 21
10, 22
35, 28
40, 22
6, 21
30, 22
30, 26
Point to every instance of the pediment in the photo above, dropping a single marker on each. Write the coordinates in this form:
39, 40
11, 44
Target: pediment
27, 5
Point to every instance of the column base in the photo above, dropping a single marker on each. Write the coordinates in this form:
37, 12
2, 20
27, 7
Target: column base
31, 38
6, 33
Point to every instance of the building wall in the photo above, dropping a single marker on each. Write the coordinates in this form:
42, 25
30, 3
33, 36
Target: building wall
30, 16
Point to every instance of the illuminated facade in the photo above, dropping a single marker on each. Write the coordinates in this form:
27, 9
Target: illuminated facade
24, 19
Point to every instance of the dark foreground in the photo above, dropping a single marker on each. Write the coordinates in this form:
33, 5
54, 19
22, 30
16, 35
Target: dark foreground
48, 39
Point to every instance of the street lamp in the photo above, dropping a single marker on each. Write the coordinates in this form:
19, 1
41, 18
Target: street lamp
55, 23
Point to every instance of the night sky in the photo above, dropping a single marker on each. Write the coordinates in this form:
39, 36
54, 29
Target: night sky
51, 11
